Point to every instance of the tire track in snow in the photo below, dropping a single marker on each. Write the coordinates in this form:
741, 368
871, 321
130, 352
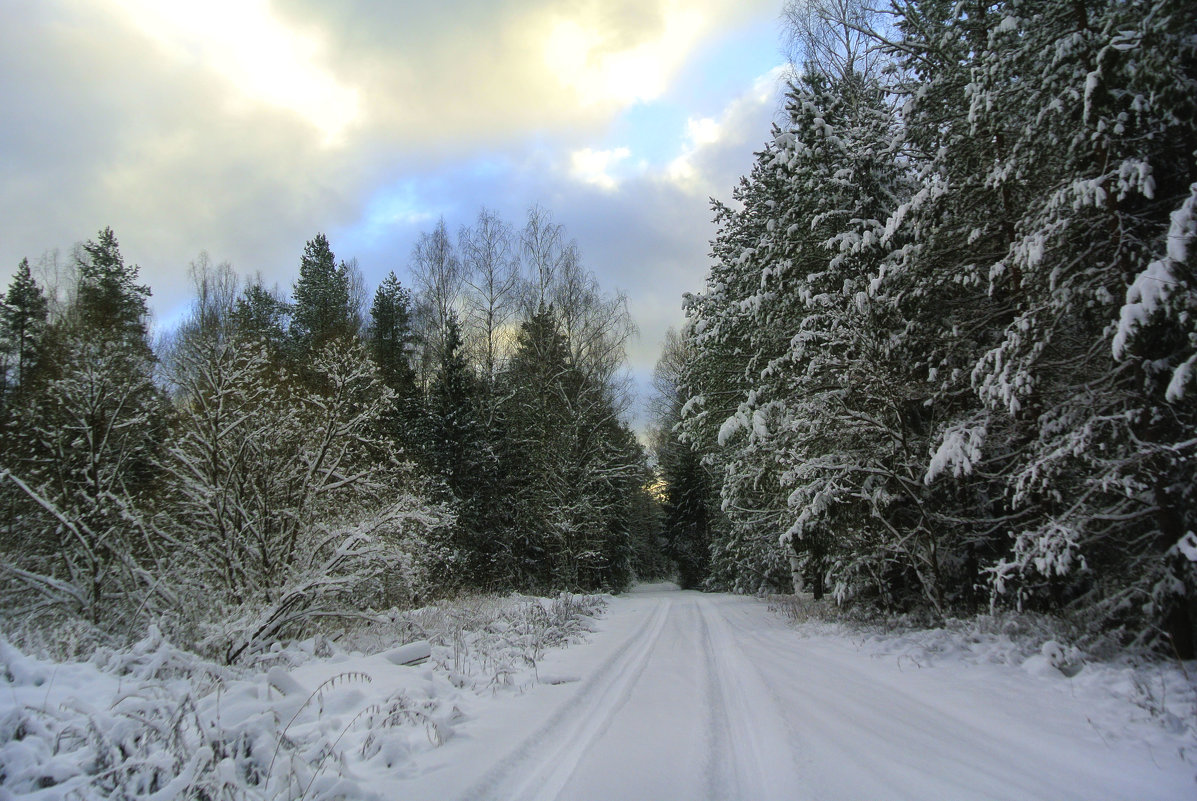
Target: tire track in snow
758, 741
854, 715
873, 734
715, 776
542, 765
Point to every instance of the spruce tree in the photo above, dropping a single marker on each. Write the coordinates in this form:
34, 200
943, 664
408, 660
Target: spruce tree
322, 310
109, 301
392, 344
260, 314
23, 316
533, 457
390, 334
952, 359
572, 466
86, 441
455, 434
687, 516
460, 456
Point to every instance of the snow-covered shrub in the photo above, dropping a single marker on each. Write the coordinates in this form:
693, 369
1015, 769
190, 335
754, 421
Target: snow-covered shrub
485, 641
287, 505
154, 721
76, 474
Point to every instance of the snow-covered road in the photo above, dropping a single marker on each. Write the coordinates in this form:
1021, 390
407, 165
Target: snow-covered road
684, 695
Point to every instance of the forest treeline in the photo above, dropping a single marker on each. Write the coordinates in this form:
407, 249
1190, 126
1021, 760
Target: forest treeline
944, 359
276, 461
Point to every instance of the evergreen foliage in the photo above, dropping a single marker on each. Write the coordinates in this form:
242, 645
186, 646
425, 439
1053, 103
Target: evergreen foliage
392, 342
22, 324
260, 313
322, 310
944, 356
80, 451
572, 466
283, 464
391, 336
109, 302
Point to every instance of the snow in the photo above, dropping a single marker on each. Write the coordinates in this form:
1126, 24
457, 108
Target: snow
959, 451
730, 427
686, 695
674, 695
1182, 376
413, 653
691, 404
308, 720
1008, 23
1187, 546
1152, 289
281, 732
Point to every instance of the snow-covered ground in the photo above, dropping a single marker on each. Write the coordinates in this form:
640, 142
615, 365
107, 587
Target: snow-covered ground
692, 696
676, 695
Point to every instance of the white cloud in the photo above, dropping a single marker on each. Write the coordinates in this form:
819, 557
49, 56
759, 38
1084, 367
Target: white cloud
703, 130
594, 166
601, 69
190, 127
736, 125
257, 53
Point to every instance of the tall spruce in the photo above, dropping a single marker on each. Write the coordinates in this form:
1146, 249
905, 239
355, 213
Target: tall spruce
322, 310
83, 460
23, 317
109, 301
392, 345
455, 430
262, 314
573, 466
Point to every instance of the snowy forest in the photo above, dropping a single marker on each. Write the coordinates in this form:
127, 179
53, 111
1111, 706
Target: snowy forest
944, 362
276, 461
923, 442
945, 358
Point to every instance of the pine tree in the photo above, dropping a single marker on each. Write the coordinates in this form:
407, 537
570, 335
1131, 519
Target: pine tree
23, 317
261, 314
83, 450
109, 302
392, 344
322, 309
455, 430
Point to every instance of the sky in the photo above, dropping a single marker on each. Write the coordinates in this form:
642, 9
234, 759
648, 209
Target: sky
241, 128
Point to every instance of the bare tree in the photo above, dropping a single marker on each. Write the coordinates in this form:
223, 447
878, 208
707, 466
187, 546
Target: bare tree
543, 249
667, 376
284, 504
491, 268
437, 272
596, 325
359, 293
836, 37
216, 289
